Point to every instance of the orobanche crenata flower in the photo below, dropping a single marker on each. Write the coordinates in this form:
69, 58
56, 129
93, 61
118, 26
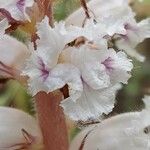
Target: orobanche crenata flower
128, 131
17, 9
18, 130
120, 22
80, 58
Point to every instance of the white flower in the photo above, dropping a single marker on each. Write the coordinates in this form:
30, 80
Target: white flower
118, 20
18, 130
45, 71
86, 66
126, 131
16, 8
13, 56
99, 68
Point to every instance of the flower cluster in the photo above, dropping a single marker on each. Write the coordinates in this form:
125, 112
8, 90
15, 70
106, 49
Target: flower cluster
87, 55
89, 59
81, 58
119, 19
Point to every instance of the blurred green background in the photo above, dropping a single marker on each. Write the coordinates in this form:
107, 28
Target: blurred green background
128, 99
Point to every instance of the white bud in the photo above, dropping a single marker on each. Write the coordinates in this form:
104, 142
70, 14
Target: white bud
18, 130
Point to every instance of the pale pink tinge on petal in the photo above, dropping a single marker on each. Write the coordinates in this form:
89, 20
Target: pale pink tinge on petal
18, 130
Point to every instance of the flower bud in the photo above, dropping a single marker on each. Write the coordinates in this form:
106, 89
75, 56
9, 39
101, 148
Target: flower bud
18, 130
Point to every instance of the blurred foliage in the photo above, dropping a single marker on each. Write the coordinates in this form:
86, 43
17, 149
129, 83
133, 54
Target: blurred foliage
20, 35
13, 94
63, 8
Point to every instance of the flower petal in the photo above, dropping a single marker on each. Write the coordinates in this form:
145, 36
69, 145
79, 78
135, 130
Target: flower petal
95, 75
3, 26
63, 74
122, 68
125, 45
14, 53
51, 42
33, 69
144, 29
92, 103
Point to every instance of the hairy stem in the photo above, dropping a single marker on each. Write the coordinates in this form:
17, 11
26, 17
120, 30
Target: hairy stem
52, 121
46, 9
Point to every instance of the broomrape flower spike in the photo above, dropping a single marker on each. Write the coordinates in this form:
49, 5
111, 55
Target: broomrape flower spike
86, 56
126, 131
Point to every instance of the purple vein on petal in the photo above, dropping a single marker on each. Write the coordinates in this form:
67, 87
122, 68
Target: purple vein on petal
108, 63
20, 5
43, 69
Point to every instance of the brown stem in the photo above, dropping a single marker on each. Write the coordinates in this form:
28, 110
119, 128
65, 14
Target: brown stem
84, 5
46, 9
52, 121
